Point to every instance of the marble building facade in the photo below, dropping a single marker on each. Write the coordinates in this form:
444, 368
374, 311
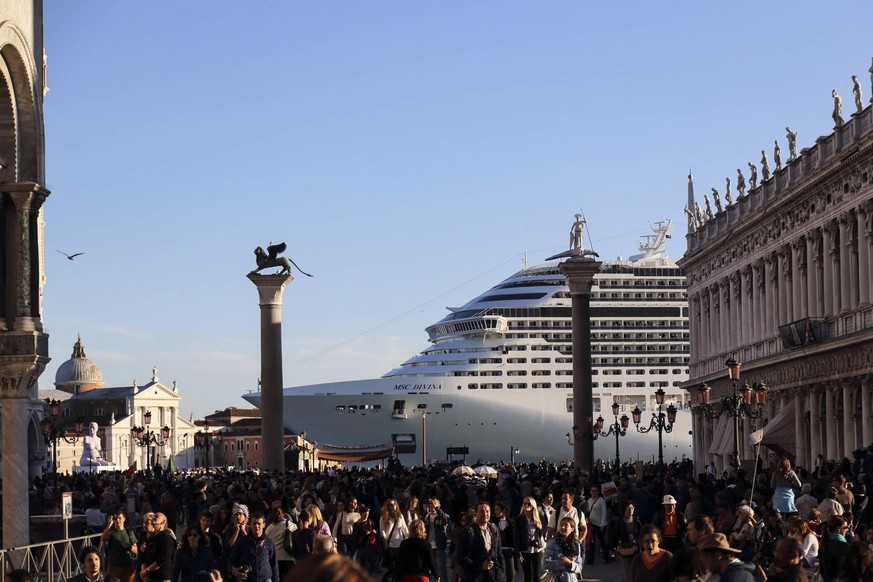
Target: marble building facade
780, 280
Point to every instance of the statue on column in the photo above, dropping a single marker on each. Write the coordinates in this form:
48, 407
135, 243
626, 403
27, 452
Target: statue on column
698, 214
728, 197
708, 212
765, 166
692, 224
716, 199
271, 258
856, 89
777, 155
792, 143
741, 184
753, 176
577, 241
871, 83
92, 449
837, 115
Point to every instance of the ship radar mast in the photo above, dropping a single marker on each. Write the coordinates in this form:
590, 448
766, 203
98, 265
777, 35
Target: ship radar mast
653, 245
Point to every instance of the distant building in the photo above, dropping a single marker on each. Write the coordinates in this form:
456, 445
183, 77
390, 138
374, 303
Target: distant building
781, 281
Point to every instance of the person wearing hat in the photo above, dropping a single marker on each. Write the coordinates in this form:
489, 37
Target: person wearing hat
671, 523
238, 526
721, 560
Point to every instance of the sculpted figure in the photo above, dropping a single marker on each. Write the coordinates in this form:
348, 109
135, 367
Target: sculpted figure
741, 184
871, 82
708, 213
272, 259
837, 115
692, 224
765, 166
753, 176
792, 143
716, 200
91, 449
856, 89
698, 214
577, 242
777, 154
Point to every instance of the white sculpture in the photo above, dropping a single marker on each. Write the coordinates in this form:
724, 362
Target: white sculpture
707, 214
792, 143
753, 176
871, 82
765, 166
692, 225
716, 200
856, 89
777, 154
837, 115
91, 449
741, 184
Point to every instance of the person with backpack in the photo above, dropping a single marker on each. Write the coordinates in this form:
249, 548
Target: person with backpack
120, 545
366, 538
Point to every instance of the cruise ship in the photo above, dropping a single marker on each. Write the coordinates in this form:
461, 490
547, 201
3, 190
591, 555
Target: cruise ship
496, 380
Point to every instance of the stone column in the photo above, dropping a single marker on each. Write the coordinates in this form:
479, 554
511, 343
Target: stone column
830, 289
865, 269
771, 290
832, 436
706, 339
758, 296
785, 285
867, 410
270, 289
726, 327
846, 393
746, 303
814, 425
799, 432
580, 272
694, 330
798, 287
845, 263
813, 267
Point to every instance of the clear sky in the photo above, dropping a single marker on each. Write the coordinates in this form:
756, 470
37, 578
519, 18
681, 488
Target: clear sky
409, 153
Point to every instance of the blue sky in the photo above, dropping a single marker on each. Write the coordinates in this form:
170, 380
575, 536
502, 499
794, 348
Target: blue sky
408, 153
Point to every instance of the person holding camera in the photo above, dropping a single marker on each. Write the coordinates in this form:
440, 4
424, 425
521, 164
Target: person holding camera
253, 556
120, 544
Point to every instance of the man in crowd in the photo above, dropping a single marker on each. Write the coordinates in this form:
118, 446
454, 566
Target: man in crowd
253, 556
479, 552
786, 562
721, 560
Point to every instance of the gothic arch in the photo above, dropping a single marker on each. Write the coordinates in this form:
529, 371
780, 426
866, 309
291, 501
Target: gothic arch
20, 132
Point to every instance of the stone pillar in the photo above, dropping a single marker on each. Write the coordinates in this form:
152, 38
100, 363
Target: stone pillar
800, 449
270, 289
757, 298
867, 410
832, 436
726, 327
846, 393
830, 290
772, 289
813, 267
814, 425
845, 276
785, 285
694, 331
798, 287
580, 272
706, 338
865, 269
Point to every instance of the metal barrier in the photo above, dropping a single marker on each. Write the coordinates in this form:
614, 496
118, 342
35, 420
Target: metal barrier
55, 561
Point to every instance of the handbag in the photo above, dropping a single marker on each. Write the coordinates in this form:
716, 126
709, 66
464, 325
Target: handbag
627, 549
287, 543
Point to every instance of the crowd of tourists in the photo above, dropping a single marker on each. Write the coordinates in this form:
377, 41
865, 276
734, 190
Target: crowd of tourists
779, 524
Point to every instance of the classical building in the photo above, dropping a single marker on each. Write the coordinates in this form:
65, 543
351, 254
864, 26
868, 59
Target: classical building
780, 280
79, 389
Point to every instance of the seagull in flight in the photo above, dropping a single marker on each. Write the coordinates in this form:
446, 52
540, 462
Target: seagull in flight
71, 257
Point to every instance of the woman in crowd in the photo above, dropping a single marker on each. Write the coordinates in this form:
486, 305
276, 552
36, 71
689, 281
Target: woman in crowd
833, 549
346, 518
393, 529
304, 537
366, 539
327, 568
507, 538
238, 526
163, 546
280, 530
799, 529
530, 536
624, 536
783, 482
194, 556
317, 522
412, 511
413, 557
742, 536
564, 553
464, 520
146, 545
652, 564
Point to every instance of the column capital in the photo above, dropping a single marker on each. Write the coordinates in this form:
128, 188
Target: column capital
270, 287
579, 272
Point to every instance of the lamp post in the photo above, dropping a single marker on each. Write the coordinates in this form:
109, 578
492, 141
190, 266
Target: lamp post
144, 437
618, 428
660, 422
205, 440
513, 450
52, 435
737, 405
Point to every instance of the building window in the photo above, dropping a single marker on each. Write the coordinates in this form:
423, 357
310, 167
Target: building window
256, 445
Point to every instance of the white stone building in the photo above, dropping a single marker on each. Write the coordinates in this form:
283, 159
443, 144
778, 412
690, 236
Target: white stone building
781, 281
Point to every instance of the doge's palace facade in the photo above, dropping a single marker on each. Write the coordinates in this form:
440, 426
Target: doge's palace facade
780, 280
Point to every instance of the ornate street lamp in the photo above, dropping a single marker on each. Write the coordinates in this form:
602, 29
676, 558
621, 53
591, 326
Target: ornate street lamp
618, 428
660, 422
52, 435
205, 440
739, 404
513, 450
144, 437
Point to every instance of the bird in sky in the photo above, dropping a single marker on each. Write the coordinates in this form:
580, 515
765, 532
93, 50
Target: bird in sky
71, 257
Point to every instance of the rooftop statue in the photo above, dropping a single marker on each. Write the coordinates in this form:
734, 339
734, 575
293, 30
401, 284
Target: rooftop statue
777, 154
708, 212
837, 115
692, 223
728, 197
753, 176
698, 214
871, 82
91, 449
856, 89
741, 184
577, 241
716, 199
765, 166
792, 143
272, 259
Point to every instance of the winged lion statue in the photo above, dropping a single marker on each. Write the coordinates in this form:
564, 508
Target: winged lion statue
271, 258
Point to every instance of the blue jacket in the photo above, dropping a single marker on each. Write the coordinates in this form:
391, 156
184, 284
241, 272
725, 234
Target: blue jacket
560, 572
259, 554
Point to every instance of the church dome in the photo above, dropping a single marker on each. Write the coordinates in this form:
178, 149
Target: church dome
78, 374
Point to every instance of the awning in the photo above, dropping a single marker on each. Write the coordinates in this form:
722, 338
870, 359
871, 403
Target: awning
779, 434
354, 454
723, 436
